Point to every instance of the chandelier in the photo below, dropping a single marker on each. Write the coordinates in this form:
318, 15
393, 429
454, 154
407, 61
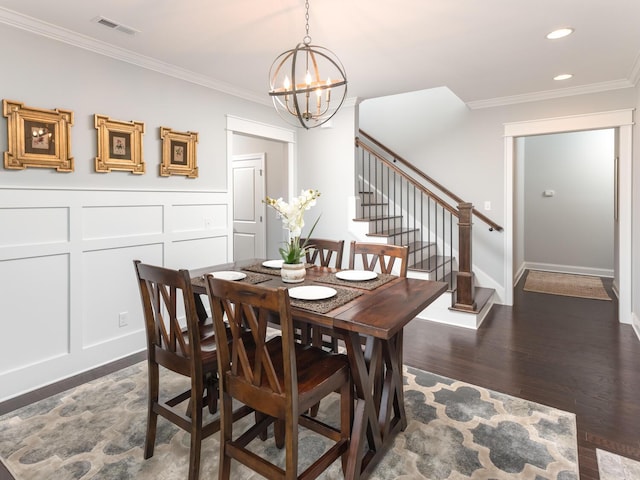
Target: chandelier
308, 83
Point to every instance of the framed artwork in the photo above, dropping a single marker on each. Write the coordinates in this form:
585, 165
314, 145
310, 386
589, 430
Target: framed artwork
178, 153
119, 145
37, 137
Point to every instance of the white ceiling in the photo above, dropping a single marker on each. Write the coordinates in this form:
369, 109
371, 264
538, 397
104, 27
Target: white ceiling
486, 51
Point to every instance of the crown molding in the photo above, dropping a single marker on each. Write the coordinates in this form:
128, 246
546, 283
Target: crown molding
69, 37
551, 94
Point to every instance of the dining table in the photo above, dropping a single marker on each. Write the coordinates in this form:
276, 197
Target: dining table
368, 312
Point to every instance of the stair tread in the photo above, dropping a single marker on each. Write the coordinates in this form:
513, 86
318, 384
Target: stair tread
392, 232
374, 219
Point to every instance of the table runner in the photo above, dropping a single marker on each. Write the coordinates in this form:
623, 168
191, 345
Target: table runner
381, 279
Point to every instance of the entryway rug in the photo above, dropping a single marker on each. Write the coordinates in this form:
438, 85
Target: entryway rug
455, 431
582, 286
617, 467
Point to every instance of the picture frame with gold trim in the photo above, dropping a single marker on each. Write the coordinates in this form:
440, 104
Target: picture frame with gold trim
37, 137
178, 153
119, 145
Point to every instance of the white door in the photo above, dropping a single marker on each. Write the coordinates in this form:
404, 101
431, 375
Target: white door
249, 231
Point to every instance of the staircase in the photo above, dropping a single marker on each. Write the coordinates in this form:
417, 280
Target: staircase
398, 204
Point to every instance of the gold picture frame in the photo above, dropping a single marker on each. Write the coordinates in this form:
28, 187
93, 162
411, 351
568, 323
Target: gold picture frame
178, 153
37, 137
119, 145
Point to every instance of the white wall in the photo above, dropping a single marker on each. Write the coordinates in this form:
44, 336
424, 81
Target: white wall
67, 240
635, 260
325, 162
573, 230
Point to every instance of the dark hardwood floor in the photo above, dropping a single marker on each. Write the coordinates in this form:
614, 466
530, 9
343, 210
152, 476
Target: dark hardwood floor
564, 352
568, 353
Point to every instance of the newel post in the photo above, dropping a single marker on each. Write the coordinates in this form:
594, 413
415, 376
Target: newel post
464, 297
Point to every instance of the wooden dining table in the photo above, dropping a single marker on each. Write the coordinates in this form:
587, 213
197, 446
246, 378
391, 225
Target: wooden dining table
369, 316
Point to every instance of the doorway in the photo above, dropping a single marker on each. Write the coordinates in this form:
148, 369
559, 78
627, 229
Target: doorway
246, 137
622, 120
565, 203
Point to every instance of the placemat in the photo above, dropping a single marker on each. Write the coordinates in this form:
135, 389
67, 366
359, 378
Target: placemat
365, 285
323, 306
251, 278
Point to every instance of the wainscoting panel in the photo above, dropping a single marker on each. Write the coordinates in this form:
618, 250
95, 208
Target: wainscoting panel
69, 297
121, 221
191, 218
200, 252
104, 319
35, 310
32, 226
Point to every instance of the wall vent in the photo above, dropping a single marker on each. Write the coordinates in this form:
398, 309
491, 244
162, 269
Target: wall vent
115, 25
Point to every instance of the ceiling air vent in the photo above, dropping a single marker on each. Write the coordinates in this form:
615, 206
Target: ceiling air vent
115, 26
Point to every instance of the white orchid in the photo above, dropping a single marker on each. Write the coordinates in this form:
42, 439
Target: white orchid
292, 215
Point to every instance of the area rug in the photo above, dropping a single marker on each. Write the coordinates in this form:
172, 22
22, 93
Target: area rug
582, 286
617, 467
455, 431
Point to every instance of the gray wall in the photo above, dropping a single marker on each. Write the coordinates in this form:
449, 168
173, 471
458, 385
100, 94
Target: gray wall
573, 229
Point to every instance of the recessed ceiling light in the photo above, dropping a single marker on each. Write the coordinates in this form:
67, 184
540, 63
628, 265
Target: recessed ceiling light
560, 33
564, 76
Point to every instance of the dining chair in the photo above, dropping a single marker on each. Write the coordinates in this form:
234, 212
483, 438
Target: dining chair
320, 251
278, 378
379, 256
167, 295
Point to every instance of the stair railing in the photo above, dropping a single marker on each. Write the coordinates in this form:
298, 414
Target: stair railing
404, 208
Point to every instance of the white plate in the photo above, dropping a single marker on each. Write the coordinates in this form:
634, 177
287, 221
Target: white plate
311, 292
356, 275
273, 263
229, 275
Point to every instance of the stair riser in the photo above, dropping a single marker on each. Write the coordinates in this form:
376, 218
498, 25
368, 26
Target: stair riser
384, 224
424, 253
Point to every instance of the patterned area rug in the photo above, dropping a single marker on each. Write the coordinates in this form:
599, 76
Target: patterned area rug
456, 431
582, 286
616, 467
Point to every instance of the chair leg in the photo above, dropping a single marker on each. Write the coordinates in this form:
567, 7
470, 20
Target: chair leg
152, 416
196, 434
346, 418
226, 434
291, 447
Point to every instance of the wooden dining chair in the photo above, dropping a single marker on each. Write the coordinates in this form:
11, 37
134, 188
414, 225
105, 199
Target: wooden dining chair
167, 295
379, 257
320, 251
279, 378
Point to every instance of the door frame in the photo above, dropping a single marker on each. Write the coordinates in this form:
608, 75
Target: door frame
237, 125
623, 121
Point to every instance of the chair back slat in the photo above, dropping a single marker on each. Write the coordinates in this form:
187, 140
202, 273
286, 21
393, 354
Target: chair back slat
320, 251
248, 309
379, 256
162, 290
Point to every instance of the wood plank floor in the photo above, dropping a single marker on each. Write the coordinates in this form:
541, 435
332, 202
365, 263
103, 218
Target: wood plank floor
568, 353
563, 352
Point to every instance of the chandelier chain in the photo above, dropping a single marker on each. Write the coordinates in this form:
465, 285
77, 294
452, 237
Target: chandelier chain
307, 39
